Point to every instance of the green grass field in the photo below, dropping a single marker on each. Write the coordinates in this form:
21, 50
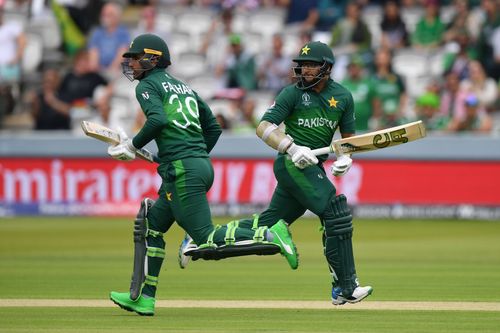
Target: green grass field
404, 260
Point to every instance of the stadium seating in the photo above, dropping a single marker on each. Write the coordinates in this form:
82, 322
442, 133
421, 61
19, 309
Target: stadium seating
188, 65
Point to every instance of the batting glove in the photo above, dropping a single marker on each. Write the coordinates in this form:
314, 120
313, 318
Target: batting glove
341, 165
302, 156
125, 150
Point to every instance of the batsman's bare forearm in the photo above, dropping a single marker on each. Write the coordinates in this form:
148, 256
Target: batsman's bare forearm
273, 136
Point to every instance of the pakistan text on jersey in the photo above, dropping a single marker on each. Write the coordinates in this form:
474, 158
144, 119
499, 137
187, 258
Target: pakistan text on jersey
177, 88
317, 122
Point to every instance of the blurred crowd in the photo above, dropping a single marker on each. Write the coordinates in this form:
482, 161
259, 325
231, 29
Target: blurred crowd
438, 61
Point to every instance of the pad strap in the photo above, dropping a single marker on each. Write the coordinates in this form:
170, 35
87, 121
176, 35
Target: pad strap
154, 233
151, 280
234, 223
156, 252
210, 239
260, 234
255, 223
229, 237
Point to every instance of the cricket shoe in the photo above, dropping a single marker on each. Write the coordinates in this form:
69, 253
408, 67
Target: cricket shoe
145, 306
283, 238
358, 295
186, 245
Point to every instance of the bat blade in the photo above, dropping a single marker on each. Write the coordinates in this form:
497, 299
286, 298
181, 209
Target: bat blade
376, 140
110, 136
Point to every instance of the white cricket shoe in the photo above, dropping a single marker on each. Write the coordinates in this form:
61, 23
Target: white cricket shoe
186, 245
358, 295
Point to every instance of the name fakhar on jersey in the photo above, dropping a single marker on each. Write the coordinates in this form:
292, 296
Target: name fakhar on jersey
177, 88
317, 122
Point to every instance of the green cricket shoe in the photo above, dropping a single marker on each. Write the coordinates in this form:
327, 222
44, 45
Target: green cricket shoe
145, 306
283, 239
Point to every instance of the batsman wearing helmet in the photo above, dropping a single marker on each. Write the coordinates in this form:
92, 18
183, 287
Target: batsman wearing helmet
312, 110
185, 131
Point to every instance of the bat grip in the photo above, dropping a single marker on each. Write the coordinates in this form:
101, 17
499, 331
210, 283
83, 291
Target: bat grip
323, 151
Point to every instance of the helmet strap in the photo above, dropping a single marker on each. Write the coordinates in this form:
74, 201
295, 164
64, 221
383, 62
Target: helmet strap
324, 71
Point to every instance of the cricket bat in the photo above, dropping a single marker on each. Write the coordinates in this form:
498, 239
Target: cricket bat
388, 137
110, 136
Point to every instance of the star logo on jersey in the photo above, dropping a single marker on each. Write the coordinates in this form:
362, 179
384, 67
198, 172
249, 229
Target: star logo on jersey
169, 196
333, 102
305, 50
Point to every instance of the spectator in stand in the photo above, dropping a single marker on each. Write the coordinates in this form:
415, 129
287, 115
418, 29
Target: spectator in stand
73, 94
85, 13
238, 69
460, 22
301, 15
475, 119
243, 115
148, 24
48, 109
106, 112
449, 95
429, 31
351, 35
109, 41
394, 33
13, 42
241, 5
330, 12
217, 37
459, 62
390, 93
274, 71
427, 110
305, 36
358, 83
488, 45
480, 85
223, 122
80, 82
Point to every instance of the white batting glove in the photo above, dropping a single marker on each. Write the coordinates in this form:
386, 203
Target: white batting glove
341, 165
302, 156
125, 150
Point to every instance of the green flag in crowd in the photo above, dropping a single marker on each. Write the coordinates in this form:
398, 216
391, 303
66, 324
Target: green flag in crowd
73, 38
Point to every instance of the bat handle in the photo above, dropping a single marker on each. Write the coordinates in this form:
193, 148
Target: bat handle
323, 151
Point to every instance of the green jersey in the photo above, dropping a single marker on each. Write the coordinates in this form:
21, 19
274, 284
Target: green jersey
388, 90
178, 120
312, 118
363, 94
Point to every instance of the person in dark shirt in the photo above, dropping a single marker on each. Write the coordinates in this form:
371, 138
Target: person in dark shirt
52, 105
79, 84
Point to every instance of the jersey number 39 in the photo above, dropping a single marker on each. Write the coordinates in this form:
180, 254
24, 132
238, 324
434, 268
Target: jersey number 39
191, 117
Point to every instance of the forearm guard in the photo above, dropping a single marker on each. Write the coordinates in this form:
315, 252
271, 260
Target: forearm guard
273, 136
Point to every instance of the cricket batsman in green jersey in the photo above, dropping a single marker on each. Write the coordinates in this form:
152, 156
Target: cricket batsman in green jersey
312, 110
185, 131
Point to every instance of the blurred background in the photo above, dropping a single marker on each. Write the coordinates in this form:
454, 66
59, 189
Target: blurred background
438, 61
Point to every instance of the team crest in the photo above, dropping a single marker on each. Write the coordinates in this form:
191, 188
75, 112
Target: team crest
306, 99
333, 102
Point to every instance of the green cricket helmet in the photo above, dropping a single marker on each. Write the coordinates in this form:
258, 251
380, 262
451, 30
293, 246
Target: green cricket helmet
146, 49
317, 52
